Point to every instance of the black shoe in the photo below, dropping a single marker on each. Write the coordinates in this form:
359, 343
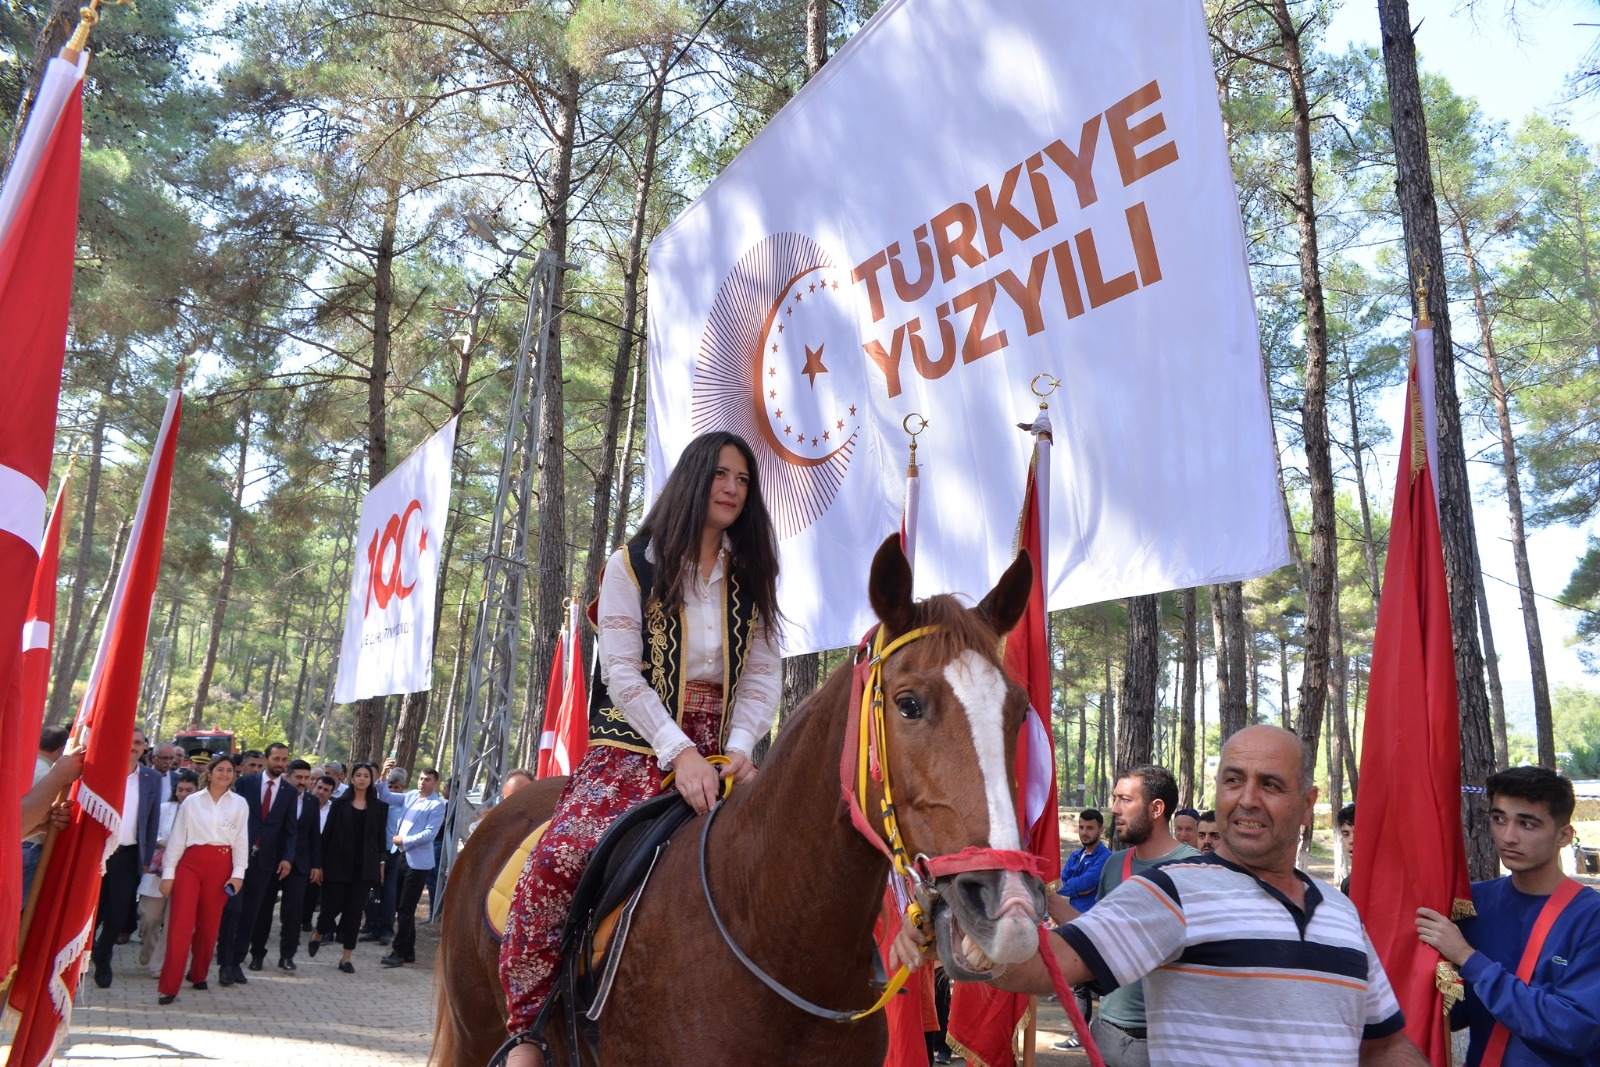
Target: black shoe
393, 959
312, 946
166, 998
369, 935
347, 967
103, 981
256, 962
199, 985
238, 976
225, 976
286, 964
384, 939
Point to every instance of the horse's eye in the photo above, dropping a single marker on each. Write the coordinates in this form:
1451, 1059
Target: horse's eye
910, 707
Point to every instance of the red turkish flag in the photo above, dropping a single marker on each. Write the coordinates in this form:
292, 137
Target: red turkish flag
1409, 852
984, 1021
58, 941
566, 706
38, 233
21, 717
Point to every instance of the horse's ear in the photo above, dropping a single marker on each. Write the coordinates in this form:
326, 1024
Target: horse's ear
1005, 603
889, 588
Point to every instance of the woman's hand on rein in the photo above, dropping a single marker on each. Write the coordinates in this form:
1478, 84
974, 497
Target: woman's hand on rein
696, 779
740, 767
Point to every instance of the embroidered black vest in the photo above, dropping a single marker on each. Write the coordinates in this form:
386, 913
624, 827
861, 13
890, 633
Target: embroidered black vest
663, 657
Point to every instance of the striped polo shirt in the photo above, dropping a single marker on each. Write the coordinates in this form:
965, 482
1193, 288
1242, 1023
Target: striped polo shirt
1234, 972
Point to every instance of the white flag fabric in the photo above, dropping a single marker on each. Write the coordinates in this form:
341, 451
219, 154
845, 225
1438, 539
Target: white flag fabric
967, 196
388, 626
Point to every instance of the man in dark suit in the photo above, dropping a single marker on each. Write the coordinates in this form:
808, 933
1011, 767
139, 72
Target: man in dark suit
136, 845
274, 806
307, 856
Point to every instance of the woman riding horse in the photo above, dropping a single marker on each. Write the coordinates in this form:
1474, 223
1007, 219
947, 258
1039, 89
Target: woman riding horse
704, 564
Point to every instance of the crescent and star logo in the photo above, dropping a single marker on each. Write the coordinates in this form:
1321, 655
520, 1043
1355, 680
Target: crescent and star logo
780, 365
391, 553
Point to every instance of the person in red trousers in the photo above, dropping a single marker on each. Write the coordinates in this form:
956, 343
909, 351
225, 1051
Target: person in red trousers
205, 861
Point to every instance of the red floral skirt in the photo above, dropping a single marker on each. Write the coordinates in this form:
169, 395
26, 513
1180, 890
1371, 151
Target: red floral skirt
606, 783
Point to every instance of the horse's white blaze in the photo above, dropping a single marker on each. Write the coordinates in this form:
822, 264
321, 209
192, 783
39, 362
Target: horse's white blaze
981, 688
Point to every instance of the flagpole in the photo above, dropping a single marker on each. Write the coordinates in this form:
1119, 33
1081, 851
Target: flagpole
1042, 386
913, 502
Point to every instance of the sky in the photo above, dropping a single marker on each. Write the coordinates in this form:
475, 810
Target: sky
1513, 68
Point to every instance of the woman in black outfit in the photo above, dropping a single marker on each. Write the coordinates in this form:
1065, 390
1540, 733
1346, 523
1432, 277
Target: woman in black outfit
353, 854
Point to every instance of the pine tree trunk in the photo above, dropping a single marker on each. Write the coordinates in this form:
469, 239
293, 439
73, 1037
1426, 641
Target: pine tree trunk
1543, 728
1219, 648
53, 34
1419, 218
1369, 549
367, 736
1108, 725
67, 641
1234, 713
816, 36
626, 342
1491, 662
1191, 659
619, 525
1323, 564
119, 545
1135, 738
552, 543
230, 555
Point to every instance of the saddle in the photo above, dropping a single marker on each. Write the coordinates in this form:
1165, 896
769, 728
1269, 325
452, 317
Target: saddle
602, 911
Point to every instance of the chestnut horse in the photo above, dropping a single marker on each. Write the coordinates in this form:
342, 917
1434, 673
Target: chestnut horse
794, 880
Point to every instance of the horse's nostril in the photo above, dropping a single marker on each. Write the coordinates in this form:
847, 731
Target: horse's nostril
972, 891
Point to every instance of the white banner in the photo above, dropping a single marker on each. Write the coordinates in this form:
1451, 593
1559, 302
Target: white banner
388, 626
968, 196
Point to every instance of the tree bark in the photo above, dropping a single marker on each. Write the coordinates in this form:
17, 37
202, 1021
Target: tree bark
1419, 218
1491, 662
119, 544
619, 526
54, 32
1219, 648
1542, 726
1135, 738
1236, 712
1322, 569
1369, 548
816, 36
1108, 725
552, 544
1191, 659
230, 555
626, 341
67, 642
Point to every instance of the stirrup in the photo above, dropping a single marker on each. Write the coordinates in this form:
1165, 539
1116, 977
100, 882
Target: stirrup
527, 1037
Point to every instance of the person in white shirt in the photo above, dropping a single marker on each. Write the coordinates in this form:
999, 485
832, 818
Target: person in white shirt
689, 668
203, 865
140, 808
152, 905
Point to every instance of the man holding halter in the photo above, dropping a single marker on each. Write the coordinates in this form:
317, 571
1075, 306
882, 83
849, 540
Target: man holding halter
1202, 931
1531, 956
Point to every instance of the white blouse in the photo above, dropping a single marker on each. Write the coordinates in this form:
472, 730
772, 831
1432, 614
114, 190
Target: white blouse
621, 645
204, 821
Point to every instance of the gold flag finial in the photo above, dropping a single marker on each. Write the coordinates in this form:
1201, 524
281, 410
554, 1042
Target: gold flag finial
1051, 384
88, 18
1424, 320
905, 424
1419, 429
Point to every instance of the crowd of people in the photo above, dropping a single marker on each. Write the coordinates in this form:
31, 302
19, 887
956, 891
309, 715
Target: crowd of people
1221, 904
213, 846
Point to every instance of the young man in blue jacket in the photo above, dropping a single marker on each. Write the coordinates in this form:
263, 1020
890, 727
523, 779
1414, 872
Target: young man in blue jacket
1546, 1011
1080, 884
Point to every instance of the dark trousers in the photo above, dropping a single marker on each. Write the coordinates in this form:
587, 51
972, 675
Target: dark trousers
308, 907
412, 883
118, 888
294, 895
239, 917
341, 910
380, 913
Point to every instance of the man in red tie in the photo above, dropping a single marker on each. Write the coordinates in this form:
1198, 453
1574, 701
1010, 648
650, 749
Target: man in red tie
272, 842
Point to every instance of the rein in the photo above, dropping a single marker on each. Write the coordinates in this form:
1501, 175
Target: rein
917, 874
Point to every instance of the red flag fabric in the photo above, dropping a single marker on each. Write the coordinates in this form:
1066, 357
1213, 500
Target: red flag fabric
21, 717
984, 1022
52, 959
566, 706
1409, 852
38, 234
907, 1046
552, 710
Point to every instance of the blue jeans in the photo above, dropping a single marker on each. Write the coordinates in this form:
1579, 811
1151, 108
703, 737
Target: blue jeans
31, 851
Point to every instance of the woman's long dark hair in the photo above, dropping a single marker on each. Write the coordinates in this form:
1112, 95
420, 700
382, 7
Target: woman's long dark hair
678, 518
